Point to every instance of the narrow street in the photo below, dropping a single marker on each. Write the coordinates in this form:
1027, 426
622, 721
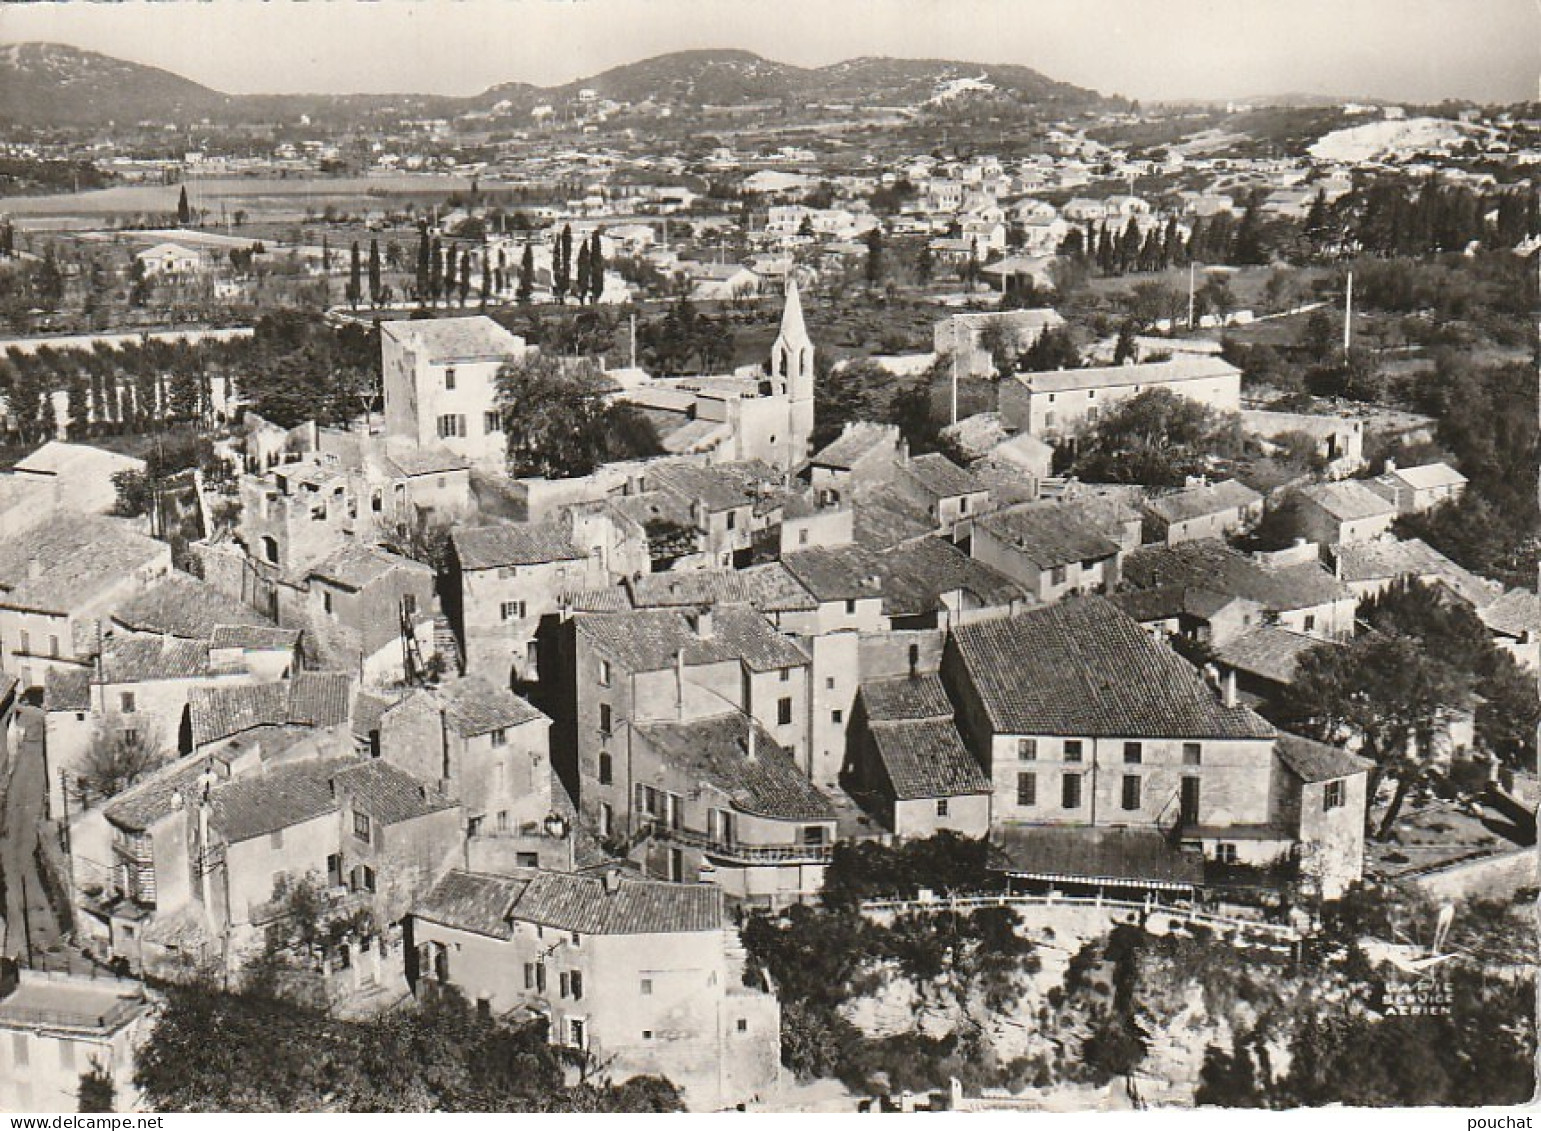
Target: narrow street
26, 905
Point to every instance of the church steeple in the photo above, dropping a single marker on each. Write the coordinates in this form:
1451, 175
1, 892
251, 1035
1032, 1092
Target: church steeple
791, 368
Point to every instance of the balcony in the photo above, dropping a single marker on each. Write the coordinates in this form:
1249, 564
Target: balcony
732, 852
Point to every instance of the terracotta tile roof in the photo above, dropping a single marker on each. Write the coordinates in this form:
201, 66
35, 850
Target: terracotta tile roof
1266, 651
320, 699
388, 794
1188, 367
717, 488
858, 440
476, 706
1048, 536
715, 750
1316, 761
275, 798
1515, 613
1347, 500
882, 519
1209, 564
357, 566
1168, 602
513, 544
917, 575
653, 507
152, 798
77, 558
836, 573
472, 338
1081, 667
1196, 502
407, 460
66, 689
311, 699
907, 697
254, 638
566, 901
143, 659
939, 476
367, 712
648, 639
473, 901
1390, 558
927, 758
613, 599
771, 588
1427, 476
183, 605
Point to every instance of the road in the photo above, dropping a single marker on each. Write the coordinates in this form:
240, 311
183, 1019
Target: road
24, 808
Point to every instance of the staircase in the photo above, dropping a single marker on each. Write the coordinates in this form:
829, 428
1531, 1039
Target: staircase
447, 645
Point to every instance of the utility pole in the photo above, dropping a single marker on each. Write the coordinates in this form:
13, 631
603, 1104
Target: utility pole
1190, 295
955, 375
1348, 314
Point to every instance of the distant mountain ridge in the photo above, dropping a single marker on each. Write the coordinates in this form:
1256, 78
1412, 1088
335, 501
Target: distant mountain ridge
47, 84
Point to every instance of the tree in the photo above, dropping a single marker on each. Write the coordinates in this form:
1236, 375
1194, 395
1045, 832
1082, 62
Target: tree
925, 265
375, 285
1053, 348
184, 210
561, 264
355, 289
465, 274
875, 268
1127, 349
557, 416
435, 270
97, 1091
424, 262
581, 283
119, 755
1156, 438
527, 274
1385, 692
596, 269
486, 277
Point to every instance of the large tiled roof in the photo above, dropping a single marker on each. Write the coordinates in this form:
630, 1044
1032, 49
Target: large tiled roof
566, 901
939, 476
1081, 667
153, 797
1093, 854
406, 459
1196, 502
143, 659
66, 689
1515, 613
648, 639
1211, 565
65, 563
388, 794
1316, 761
1049, 536
836, 573
881, 519
314, 699
473, 338
860, 439
275, 798
254, 637
1149, 374
716, 750
721, 487
513, 544
907, 697
927, 758
653, 507
183, 605
1387, 558
916, 576
476, 706
769, 588
1348, 499
1267, 651
356, 566
1427, 476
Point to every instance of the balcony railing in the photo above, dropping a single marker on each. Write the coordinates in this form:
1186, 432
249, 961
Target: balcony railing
736, 853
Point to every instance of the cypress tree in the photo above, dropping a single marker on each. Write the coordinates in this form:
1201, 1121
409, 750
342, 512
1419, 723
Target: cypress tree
184, 210
355, 276
374, 272
424, 262
435, 271
596, 269
465, 274
486, 276
527, 274
581, 282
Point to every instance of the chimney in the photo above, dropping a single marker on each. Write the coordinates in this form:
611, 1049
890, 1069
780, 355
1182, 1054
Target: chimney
612, 880
701, 622
1391, 465
1228, 689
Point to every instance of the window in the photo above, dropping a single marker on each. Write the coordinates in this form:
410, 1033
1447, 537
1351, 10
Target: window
786, 675
361, 826
941, 806
1225, 853
604, 673
540, 977
577, 985
26, 645
1027, 789
452, 424
502, 820
743, 1024
1333, 796
606, 819
512, 610
1027, 749
606, 769
53, 647
647, 987
1131, 792
802, 537
1310, 622
1072, 749
1057, 575
850, 608
499, 737
1193, 754
1134, 752
837, 716
647, 1034
449, 378
829, 683
126, 703
1070, 791
604, 718
563, 984
269, 551
732, 519
409, 604
326, 601
527, 860
963, 506
491, 422
783, 711
129, 735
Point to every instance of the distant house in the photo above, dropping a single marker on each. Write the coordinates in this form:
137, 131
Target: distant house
644, 976
1334, 514
863, 455
1370, 568
1207, 511
964, 335
1515, 621
949, 494
1063, 401
168, 261
1049, 550
82, 475
1415, 489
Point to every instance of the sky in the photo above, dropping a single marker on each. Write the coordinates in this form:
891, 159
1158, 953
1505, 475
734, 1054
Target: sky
1412, 50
